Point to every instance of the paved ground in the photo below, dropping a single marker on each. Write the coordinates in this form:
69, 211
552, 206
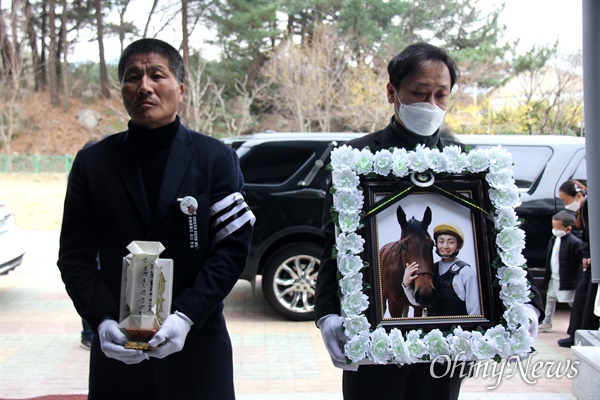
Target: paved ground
274, 359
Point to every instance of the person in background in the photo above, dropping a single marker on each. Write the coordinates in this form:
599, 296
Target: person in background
563, 264
454, 280
574, 196
130, 187
421, 78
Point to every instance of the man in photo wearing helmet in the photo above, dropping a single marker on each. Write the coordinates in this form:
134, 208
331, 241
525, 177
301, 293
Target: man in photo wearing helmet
455, 281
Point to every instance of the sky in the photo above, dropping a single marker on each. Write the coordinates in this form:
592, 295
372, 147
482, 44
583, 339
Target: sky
534, 22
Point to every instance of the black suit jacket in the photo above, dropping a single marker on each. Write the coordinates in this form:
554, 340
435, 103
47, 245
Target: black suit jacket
106, 208
569, 262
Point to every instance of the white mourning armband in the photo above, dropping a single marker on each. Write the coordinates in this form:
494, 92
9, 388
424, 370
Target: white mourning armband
228, 215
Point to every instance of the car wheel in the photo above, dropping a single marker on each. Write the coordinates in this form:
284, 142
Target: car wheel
289, 281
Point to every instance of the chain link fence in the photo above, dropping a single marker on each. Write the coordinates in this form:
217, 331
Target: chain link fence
36, 164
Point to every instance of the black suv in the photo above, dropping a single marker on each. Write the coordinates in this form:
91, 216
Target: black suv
286, 184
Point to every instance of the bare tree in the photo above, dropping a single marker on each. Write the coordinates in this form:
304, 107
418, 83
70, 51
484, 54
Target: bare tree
306, 79
365, 106
239, 118
204, 98
11, 82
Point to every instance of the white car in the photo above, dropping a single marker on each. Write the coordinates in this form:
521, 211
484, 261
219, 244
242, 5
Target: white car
12, 246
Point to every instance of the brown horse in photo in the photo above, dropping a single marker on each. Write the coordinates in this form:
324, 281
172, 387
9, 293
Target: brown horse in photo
415, 245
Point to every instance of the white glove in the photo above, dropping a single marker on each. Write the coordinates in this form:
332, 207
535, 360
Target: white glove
171, 336
112, 341
534, 315
334, 339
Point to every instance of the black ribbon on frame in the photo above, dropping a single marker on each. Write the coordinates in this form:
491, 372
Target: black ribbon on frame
400, 194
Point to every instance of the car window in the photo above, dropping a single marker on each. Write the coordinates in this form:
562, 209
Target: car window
529, 163
273, 163
580, 173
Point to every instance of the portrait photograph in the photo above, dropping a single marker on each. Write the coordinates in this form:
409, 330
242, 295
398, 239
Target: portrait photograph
430, 255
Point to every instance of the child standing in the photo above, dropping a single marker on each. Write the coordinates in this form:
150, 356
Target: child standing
563, 263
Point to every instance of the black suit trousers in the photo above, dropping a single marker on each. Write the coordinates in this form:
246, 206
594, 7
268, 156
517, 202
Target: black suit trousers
410, 382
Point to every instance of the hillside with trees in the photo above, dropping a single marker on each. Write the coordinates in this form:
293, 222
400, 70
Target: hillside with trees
294, 65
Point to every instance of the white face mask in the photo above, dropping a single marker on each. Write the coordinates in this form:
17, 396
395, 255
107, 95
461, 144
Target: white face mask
558, 233
574, 206
421, 118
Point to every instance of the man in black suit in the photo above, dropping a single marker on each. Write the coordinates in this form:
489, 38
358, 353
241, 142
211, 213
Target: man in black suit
128, 187
421, 79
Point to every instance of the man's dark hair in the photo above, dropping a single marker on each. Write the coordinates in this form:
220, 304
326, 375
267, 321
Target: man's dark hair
567, 218
144, 46
415, 55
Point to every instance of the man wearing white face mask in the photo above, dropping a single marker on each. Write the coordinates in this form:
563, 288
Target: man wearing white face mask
563, 264
421, 78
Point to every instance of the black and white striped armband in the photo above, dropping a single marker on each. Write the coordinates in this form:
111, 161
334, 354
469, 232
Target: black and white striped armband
228, 215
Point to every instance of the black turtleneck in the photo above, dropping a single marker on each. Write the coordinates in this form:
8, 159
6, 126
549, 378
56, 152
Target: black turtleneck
410, 140
152, 149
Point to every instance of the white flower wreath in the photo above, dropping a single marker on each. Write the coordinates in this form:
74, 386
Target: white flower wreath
509, 338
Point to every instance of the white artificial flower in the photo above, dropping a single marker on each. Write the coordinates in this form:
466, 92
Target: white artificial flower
438, 161
481, 348
512, 258
459, 344
511, 275
364, 162
351, 283
382, 162
510, 239
516, 316
515, 293
349, 202
477, 160
379, 349
356, 325
400, 162
499, 338
349, 243
349, 264
415, 346
436, 344
356, 347
507, 197
457, 160
499, 159
505, 217
349, 222
345, 179
398, 347
354, 303
521, 342
501, 180
344, 157
418, 159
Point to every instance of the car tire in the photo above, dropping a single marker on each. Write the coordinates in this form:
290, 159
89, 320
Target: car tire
289, 280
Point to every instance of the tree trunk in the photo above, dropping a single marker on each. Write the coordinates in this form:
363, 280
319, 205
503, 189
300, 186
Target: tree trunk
154, 4
43, 46
53, 76
65, 65
35, 55
100, 30
186, 52
6, 48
